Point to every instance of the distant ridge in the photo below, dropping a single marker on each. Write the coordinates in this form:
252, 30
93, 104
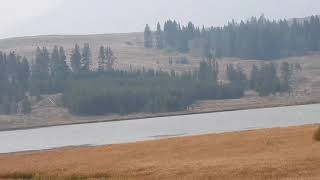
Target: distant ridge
301, 20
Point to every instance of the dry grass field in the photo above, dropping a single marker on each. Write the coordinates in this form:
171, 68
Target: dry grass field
287, 153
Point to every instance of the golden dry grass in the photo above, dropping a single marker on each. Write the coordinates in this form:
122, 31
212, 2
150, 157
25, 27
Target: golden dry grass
288, 153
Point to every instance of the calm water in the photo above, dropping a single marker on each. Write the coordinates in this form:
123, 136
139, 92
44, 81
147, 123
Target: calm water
156, 128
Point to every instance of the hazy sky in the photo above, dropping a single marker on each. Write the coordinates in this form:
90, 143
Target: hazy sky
38, 17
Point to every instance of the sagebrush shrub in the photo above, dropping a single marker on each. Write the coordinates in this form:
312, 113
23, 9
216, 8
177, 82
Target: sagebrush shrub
316, 135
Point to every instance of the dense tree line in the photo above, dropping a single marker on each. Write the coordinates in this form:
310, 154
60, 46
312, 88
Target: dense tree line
266, 79
14, 81
91, 91
257, 38
125, 92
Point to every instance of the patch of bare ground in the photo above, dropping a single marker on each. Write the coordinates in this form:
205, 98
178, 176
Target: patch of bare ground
281, 153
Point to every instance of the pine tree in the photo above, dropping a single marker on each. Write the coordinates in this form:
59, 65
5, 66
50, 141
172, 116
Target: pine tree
86, 57
285, 77
102, 59
267, 81
60, 69
254, 76
63, 63
159, 37
148, 40
3, 77
110, 58
26, 106
24, 73
54, 64
40, 69
76, 59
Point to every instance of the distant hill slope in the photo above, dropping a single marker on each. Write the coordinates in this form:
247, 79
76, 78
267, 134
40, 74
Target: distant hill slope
128, 48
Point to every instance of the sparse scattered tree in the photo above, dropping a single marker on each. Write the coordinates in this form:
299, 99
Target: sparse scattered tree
26, 106
285, 78
159, 37
148, 39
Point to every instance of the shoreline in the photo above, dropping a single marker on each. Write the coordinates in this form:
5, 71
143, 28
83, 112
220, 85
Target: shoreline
162, 115
86, 146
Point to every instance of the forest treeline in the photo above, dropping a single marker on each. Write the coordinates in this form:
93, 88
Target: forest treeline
257, 38
98, 91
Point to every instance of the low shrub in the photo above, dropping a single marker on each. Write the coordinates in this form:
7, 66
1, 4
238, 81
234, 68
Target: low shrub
316, 135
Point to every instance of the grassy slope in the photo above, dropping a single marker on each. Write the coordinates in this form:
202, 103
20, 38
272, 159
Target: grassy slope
130, 52
288, 153
127, 47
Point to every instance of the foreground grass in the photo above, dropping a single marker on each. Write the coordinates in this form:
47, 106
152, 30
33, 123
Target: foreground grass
288, 153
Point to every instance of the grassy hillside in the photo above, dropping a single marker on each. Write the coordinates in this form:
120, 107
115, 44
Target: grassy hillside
127, 47
130, 52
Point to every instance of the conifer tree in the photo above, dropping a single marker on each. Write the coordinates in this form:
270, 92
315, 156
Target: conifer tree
102, 59
148, 40
254, 76
76, 59
24, 72
63, 63
285, 77
110, 58
86, 57
159, 37
40, 69
55, 58
60, 69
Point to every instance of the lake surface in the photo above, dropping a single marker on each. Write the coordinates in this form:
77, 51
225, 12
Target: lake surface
156, 128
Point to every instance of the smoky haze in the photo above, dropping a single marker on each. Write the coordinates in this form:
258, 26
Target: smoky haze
121, 16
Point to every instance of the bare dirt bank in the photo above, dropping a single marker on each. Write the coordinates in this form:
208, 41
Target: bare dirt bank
9, 123
287, 153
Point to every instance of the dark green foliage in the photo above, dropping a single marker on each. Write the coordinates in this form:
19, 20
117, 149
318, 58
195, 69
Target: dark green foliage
159, 37
110, 58
40, 68
106, 59
59, 68
86, 57
208, 71
108, 90
182, 60
265, 80
14, 79
148, 39
176, 37
76, 59
126, 92
102, 59
286, 74
238, 80
26, 106
257, 38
